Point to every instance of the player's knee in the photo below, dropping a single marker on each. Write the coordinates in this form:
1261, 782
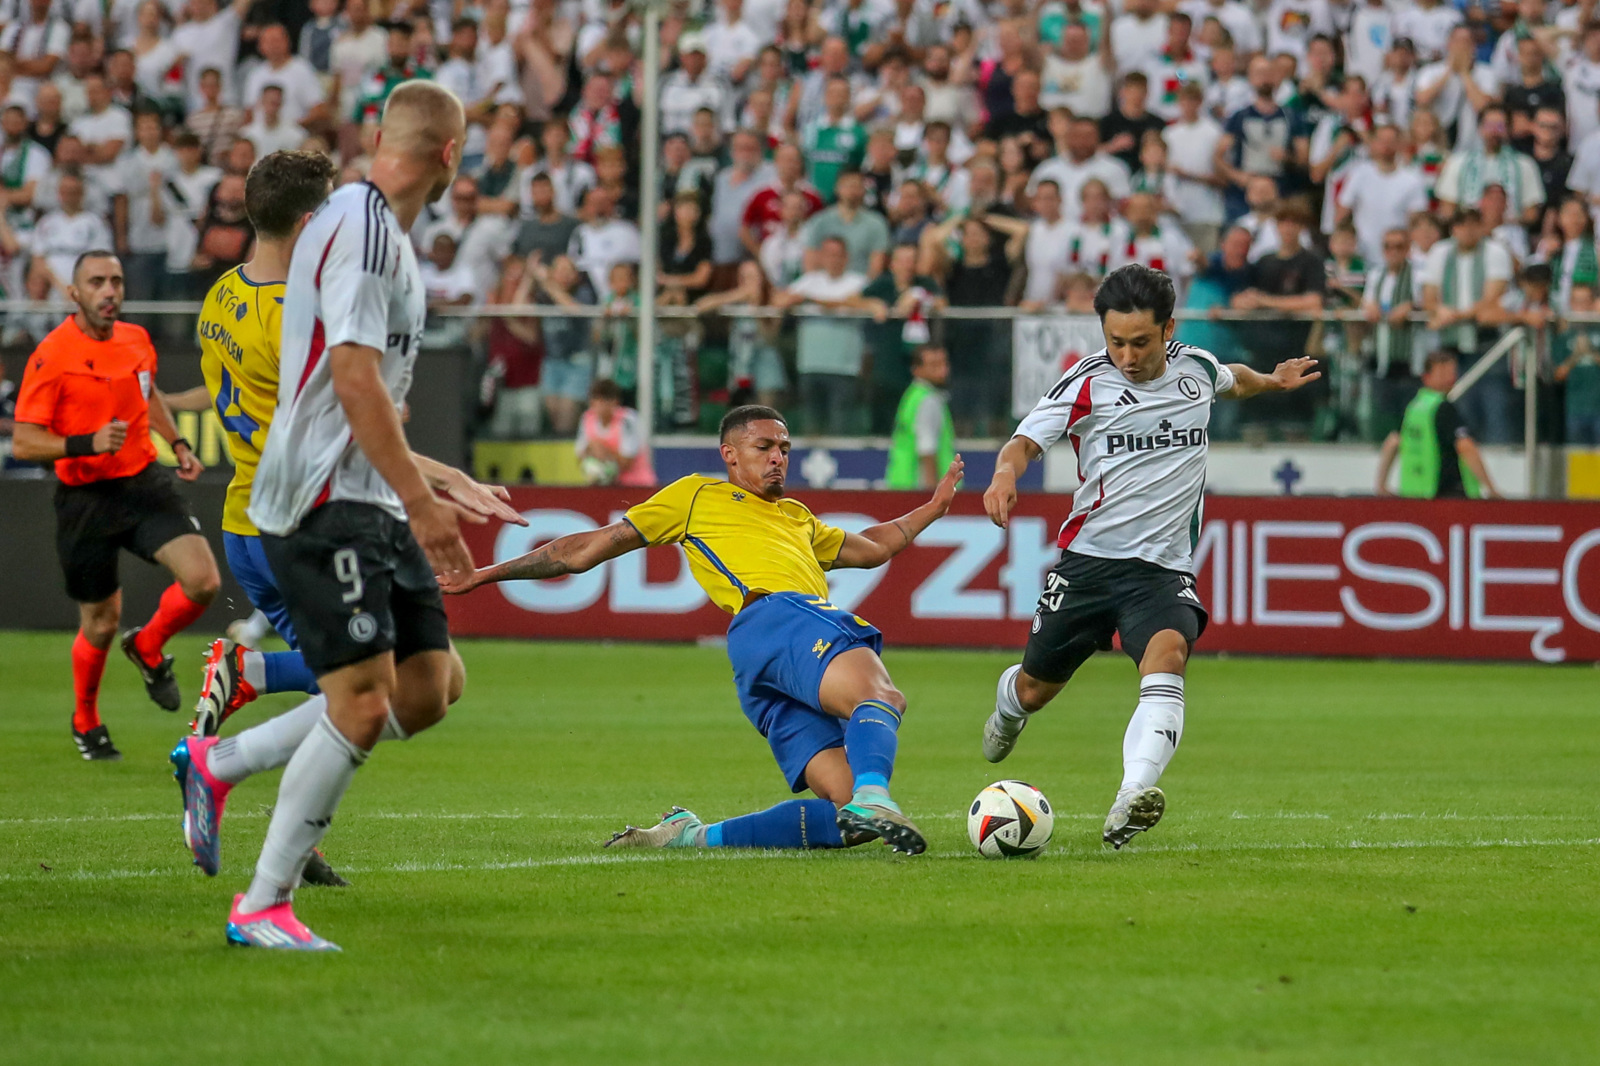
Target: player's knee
203, 586
1167, 653
892, 696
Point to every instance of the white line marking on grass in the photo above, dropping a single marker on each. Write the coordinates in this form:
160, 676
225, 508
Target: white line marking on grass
1288, 815
732, 855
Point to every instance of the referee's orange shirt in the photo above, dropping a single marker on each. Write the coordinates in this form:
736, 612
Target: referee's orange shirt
75, 384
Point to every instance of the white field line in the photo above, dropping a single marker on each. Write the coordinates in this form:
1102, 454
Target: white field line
512, 816
736, 855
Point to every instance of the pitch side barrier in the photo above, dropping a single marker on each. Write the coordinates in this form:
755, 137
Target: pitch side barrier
1491, 580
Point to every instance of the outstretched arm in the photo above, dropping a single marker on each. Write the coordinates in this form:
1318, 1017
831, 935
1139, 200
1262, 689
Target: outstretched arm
1001, 495
1289, 375
572, 554
876, 545
490, 501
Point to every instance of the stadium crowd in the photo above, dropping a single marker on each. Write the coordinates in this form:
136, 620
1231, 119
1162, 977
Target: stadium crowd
887, 158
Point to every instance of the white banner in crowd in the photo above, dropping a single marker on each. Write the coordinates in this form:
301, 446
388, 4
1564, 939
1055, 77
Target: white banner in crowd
1042, 348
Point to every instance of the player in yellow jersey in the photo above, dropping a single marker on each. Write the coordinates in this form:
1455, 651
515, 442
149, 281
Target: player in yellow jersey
808, 673
239, 333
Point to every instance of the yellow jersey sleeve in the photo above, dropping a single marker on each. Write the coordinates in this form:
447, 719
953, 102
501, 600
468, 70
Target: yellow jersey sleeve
664, 517
826, 541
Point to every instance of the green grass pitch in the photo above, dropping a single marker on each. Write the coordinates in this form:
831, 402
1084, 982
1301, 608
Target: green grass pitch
1361, 863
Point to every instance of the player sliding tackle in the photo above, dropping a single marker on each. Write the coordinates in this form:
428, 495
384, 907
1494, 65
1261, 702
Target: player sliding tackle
808, 673
1137, 414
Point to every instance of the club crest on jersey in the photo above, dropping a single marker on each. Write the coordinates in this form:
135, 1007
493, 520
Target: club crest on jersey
1168, 437
1189, 387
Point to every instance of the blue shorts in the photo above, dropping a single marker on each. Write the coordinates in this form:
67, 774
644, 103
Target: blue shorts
780, 646
248, 562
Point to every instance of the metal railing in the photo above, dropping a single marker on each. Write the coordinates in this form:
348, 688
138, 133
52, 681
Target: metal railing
1339, 411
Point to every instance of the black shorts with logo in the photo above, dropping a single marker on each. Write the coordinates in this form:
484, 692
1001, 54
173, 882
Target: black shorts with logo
140, 513
357, 585
1086, 600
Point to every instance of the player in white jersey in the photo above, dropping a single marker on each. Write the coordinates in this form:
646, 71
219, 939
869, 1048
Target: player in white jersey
1137, 413
349, 524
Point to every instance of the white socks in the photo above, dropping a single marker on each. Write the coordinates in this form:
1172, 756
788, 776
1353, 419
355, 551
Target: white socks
272, 743
1153, 732
313, 784
255, 669
1005, 698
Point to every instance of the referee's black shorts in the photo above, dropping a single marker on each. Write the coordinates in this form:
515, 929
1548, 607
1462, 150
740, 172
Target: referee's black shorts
357, 585
140, 513
1087, 599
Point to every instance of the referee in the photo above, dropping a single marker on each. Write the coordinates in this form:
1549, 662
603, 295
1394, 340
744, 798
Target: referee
1438, 457
88, 402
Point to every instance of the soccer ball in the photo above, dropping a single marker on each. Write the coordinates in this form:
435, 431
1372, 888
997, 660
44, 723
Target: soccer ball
1010, 819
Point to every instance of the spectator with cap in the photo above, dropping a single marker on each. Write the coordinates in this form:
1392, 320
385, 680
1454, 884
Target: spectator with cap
692, 86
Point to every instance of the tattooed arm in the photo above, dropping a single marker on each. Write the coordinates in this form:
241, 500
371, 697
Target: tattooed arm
571, 554
876, 545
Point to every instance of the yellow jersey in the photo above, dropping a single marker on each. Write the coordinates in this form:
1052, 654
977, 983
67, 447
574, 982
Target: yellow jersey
737, 542
238, 330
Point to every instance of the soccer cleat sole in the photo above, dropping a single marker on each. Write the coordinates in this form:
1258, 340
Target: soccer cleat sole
1144, 810
895, 830
209, 860
238, 939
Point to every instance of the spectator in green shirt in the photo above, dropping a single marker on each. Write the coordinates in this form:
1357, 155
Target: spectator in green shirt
834, 141
1580, 372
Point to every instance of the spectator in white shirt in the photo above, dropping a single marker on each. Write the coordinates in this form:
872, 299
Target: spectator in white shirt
1137, 35
36, 45
360, 48
731, 44
142, 228
1491, 160
1458, 87
23, 161
447, 282
1428, 25
691, 87
496, 69
1380, 194
569, 177
1050, 236
101, 185
1193, 186
1078, 163
210, 39
304, 101
1074, 77
269, 132
67, 232
783, 253
601, 242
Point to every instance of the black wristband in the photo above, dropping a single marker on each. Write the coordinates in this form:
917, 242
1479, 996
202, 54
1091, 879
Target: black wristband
183, 441
80, 445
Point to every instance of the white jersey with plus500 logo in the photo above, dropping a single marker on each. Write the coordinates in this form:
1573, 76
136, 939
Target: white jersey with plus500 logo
1141, 454
353, 280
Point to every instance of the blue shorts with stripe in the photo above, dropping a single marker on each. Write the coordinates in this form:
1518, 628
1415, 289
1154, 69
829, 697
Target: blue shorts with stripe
780, 646
248, 561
